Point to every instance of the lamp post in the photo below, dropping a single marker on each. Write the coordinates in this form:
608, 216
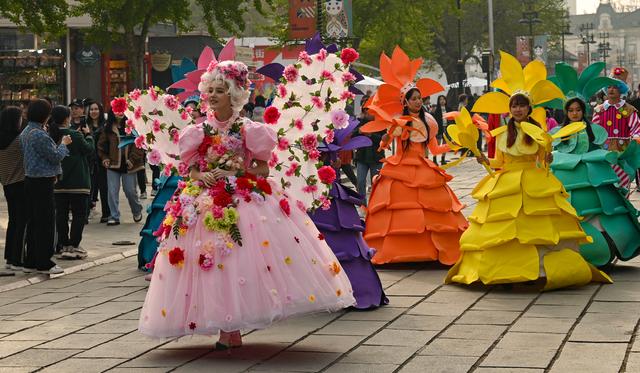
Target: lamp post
530, 17
460, 64
604, 48
586, 35
566, 30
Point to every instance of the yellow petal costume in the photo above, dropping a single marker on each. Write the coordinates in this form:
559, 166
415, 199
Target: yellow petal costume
523, 227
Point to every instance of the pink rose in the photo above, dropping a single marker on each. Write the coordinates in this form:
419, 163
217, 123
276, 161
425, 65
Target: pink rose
304, 57
290, 73
185, 114
153, 94
135, 94
271, 115
298, 123
327, 174
310, 189
346, 95
119, 105
293, 167
322, 55
183, 169
140, 142
273, 160
314, 155
309, 142
325, 203
282, 90
137, 113
348, 77
329, 136
339, 118
326, 75
283, 143
171, 102
156, 125
317, 102
154, 157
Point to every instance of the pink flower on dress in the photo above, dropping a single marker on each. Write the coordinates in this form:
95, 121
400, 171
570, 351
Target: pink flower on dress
135, 94
167, 170
309, 142
322, 55
271, 115
290, 73
301, 206
206, 261
325, 74
175, 135
127, 130
273, 160
346, 95
140, 142
325, 203
298, 124
330, 135
314, 155
283, 143
293, 167
119, 105
339, 118
183, 169
317, 102
310, 189
304, 57
171, 102
154, 157
185, 114
153, 94
129, 123
348, 77
349, 55
218, 212
282, 90
155, 127
327, 174
137, 113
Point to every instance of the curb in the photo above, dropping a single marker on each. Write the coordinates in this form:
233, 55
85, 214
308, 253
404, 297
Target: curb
77, 268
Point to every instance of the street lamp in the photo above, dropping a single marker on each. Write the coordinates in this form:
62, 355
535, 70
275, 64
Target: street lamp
604, 48
460, 64
587, 38
530, 17
566, 29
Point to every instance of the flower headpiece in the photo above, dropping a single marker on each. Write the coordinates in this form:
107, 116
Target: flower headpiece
231, 70
620, 74
585, 86
398, 73
529, 82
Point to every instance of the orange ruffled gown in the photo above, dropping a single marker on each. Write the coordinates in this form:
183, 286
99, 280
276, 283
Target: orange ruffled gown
413, 215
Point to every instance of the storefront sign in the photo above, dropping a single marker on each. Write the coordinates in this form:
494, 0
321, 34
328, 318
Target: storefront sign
302, 19
339, 19
160, 61
88, 56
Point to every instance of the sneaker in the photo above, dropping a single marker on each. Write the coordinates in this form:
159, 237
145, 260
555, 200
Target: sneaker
143, 195
113, 221
75, 253
153, 192
104, 219
28, 270
55, 270
17, 268
137, 217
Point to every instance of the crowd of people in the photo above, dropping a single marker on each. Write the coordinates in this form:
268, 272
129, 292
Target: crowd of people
59, 161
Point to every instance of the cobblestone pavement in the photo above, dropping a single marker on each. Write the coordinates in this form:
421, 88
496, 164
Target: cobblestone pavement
86, 322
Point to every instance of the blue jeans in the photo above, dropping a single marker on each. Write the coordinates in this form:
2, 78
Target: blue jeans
129, 182
362, 169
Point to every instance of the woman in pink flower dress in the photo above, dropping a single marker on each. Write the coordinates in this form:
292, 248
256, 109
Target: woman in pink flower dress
233, 253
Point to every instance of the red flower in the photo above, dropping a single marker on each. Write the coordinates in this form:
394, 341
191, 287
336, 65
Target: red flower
327, 174
204, 146
192, 325
271, 115
349, 55
320, 236
284, 206
243, 183
119, 105
222, 199
264, 185
176, 256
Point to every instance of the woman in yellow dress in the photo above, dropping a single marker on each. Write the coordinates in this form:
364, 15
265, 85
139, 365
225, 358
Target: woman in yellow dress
523, 228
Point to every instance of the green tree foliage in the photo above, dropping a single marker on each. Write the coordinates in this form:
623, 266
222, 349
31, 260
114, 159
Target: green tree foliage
127, 22
475, 30
37, 16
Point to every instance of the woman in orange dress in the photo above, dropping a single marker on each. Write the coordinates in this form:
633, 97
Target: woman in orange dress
413, 215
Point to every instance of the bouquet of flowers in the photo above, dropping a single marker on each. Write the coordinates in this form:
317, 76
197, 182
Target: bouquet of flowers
221, 149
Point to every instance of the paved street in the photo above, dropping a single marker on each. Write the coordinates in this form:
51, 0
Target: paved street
86, 321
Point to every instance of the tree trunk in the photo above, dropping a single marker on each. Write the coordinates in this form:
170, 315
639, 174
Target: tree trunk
134, 59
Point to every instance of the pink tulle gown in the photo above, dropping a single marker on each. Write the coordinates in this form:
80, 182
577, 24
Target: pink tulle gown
204, 281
